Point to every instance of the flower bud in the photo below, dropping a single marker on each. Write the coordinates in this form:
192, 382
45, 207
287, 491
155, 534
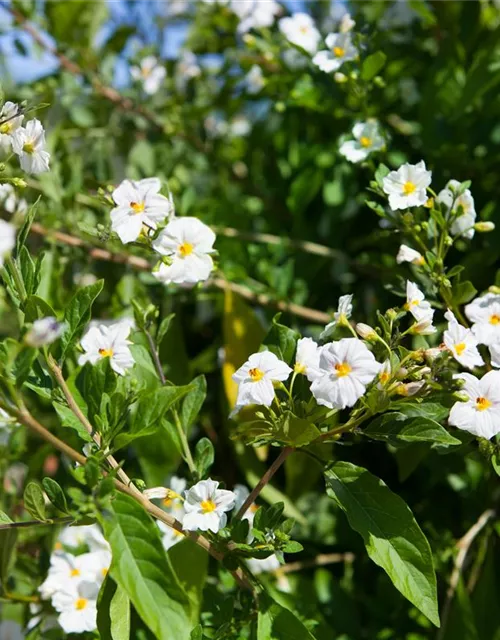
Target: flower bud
365, 331
431, 354
340, 77
484, 227
410, 388
2, 166
156, 493
19, 182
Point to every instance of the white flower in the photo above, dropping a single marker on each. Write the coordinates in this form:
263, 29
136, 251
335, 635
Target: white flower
170, 536
6, 424
44, 331
340, 50
255, 14
264, 565
347, 366
462, 343
7, 239
241, 493
29, 144
66, 569
346, 23
254, 80
299, 29
410, 388
407, 254
108, 342
385, 374
495, 355
416, 303
367, 139
9, 200
341, 316
206, 506
480, 414
307, 358
150, 73
255, 378
484, 312
187, 243
138, 203
365, 331
461, 208
239, 126
187, 68
10, 124
424, 326
173, 502
407, 186
77, 607
89, 535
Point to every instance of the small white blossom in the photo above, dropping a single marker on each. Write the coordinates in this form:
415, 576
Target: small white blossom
416, 303
341, 316
29, 144
300, 30
340, 50
206, 505
239, 126
10, 202
365, 331
407, 186
264, 565
410, 388
76, 536
461, 208
480, 414
407, 254
347, 367
7, 239
484, 312
170, 536
77, 607
187, 68
307, 358
66, 569
462, 343
108, 342
255, 14
346, 23
7, 422
367, 138
138, 203
254, 80
255, 378
150, 73
44, 331
424, 326
10, 123
187, 243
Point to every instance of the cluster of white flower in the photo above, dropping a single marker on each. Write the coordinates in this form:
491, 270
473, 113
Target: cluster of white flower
108, 341
26, 142
75, 577
186, 244
150, 73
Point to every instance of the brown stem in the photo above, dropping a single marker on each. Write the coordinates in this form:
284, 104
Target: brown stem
284, 453
319, 561
36, 523
155, 356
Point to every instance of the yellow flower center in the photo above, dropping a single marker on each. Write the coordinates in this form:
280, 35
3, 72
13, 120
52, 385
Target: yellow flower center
81, 603
409, 187
304, 29
207, 506
494, 319
29, 147
342, 369
137, 207
186, 249
339, 51
460, 348
106, 353
482, 404
365, 141
256, 374
74, 573
384, 377
104, 572
299, 368
58, 546
6, 127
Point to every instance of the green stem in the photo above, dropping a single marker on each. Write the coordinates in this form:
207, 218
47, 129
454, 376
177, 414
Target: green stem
184, 442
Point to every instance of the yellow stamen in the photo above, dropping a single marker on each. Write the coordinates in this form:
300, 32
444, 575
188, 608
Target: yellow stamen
106, 353
6, 127
74, 573
104, 572
207, 506
299, 368
58, 546
304, 29
185, 249
494, 319
460, 348
256, 374
29, 147
409, 187
81, 603
482, 404
342, 369
137, 207
384, 377
365, 141
339, 51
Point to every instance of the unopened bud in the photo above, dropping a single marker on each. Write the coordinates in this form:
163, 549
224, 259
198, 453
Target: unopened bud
409, 389
430, 203
340, 77
365, 331
249, 39
391, 314
19, 182
431, 354
484, 227
494, 289
2, 166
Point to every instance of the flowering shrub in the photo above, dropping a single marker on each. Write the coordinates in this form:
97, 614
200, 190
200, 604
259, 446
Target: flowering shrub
189, 451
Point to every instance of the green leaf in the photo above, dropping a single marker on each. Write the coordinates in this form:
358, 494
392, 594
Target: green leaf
372, 65
119, 613
193, 402
190, 562
55, 494
23, 364
34, 502
392, 537
463, 292
281, 340
431, 410
36, 308
381, 172
204, 456
277, 623
163, 328
68, 419
4, 518
141, 567
25, 229
8, 539
78, 314
295, 431
396, 427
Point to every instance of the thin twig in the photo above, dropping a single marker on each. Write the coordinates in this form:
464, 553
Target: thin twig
252, 497
319, 561
36, 523
463, 546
